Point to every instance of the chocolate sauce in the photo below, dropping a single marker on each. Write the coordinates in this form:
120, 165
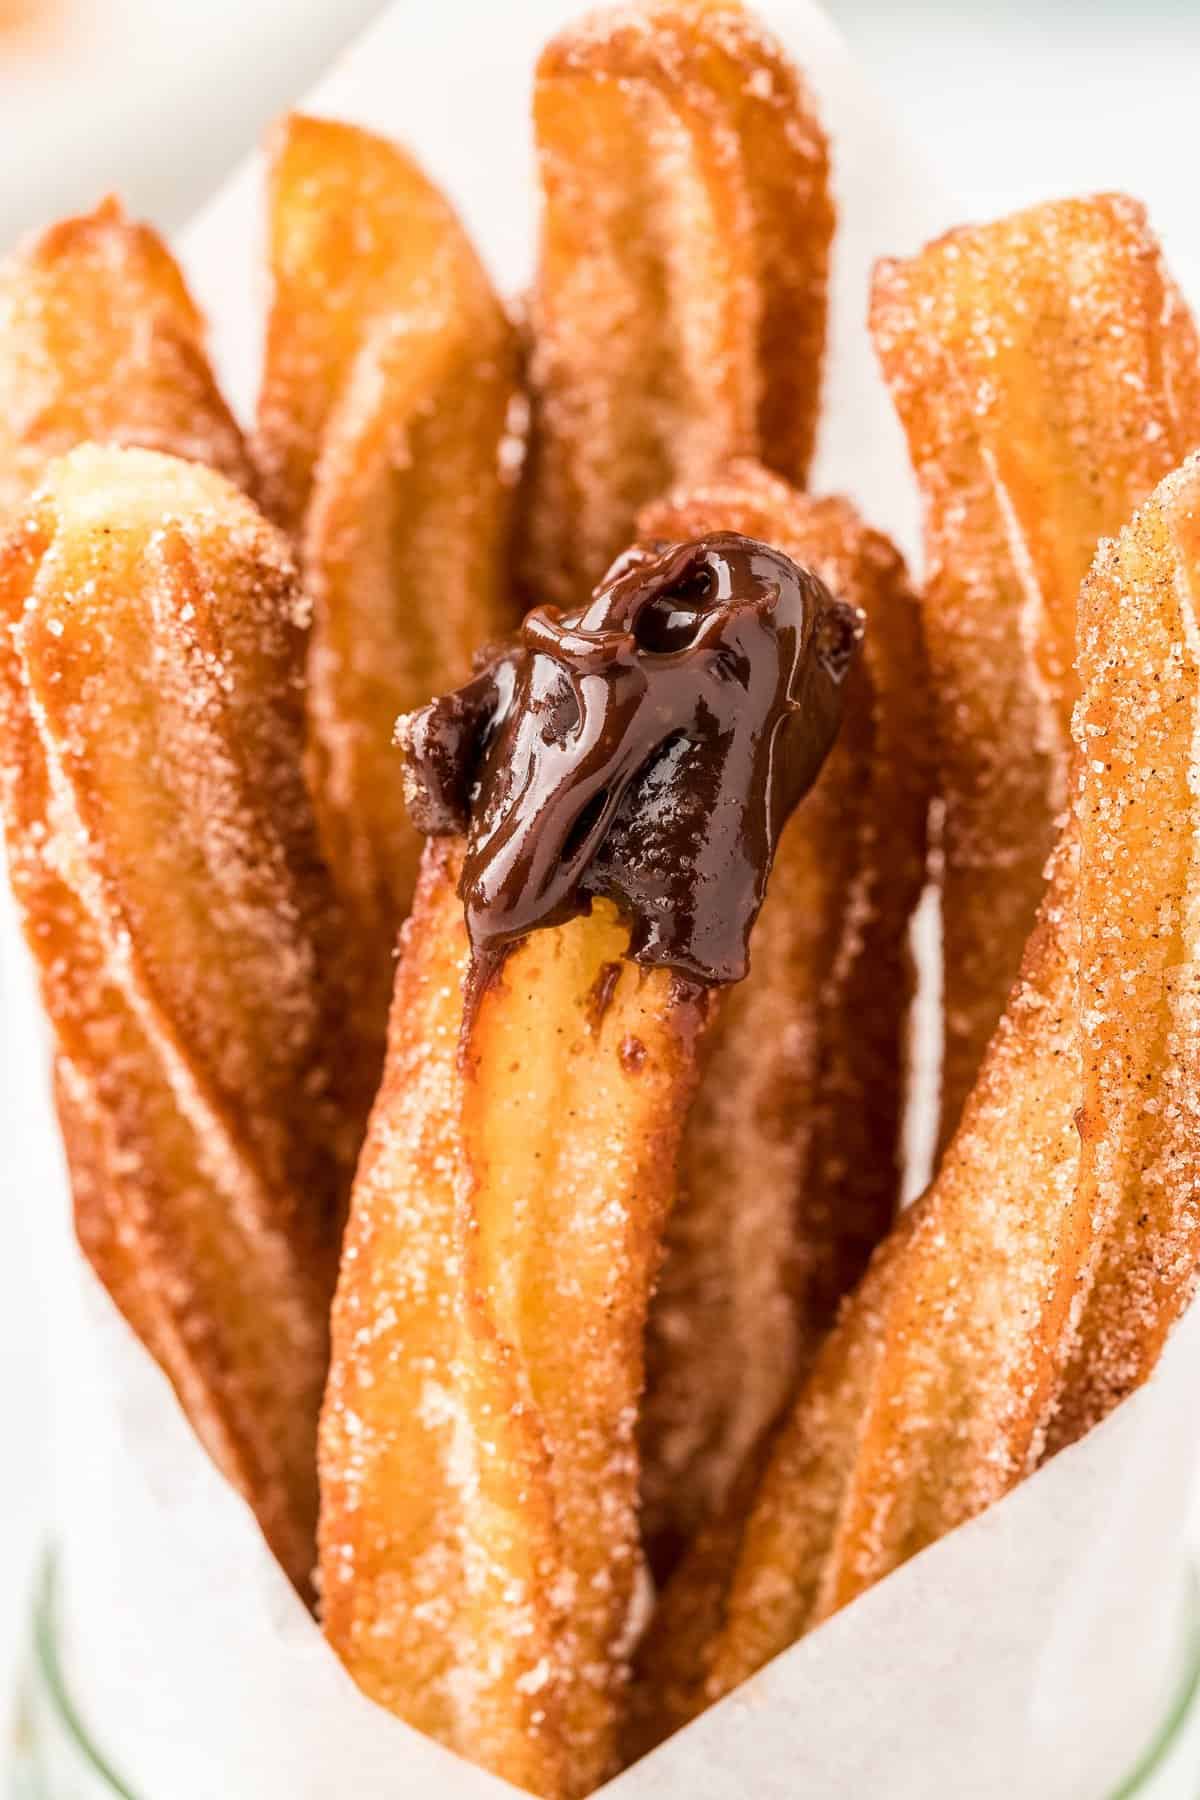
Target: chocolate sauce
647, 747
601, 994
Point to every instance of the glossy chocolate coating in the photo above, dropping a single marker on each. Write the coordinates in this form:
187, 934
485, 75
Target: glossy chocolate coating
647, 747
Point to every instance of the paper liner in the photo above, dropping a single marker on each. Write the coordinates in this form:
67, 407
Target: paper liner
1030, 1653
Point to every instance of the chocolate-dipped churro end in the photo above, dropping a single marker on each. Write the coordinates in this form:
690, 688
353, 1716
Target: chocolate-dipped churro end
647, 747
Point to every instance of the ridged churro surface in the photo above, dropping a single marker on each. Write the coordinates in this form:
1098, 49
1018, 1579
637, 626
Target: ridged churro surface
930, 1396
1047, 374
384, 435
1034, 1284
1136, 732
488, 1328
100, 341
678, 314
790, 1160
162, 851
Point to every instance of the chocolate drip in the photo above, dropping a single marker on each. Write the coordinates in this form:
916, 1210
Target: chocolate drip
647, 747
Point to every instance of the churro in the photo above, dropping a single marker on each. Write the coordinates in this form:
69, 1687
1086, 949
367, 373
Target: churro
509, 1210
384, 434
1139, 666
1047, 374
609, 1364
930, 1395
100, 341
789, 1168
504, 1230
1070, 1183
678, 314
162, 851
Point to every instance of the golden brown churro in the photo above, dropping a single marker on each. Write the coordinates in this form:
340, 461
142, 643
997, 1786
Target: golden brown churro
224, 782
1139, 665
1047, 374
383, 431
933, 1394
679, 309
520, 1164
789, 1169
928, 1398
100, 340
163, 854
487, 1331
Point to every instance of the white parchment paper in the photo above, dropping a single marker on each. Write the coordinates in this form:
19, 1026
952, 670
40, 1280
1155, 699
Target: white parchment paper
1030, 1654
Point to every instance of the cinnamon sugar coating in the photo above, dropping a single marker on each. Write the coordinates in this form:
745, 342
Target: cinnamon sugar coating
678, 313
1136, 733
790, 1162
207, 838
1047, 374
100, 341
384, 436
505, 1226
930, 1396
162, 852
1034, 1284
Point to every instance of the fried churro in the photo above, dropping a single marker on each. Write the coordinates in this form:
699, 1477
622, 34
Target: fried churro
1139, 666
1047, 374
929, 1397
384, 433
678, 314
1070, 1183
509, 1210
487, 1332
100, 341
636, 1370
162, 851
789, 1170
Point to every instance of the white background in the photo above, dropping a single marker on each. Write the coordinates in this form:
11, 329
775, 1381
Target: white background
1018, 102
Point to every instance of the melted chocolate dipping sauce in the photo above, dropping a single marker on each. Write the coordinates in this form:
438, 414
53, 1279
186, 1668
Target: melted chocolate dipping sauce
648, 747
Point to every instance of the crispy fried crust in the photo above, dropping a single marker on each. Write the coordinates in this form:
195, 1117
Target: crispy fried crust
438, 1544
1035, 1283
1139, 663
390, 373
100, 340
162, 851
678, 314
930, 1396
505, 1227
1047, 374
789, 1167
